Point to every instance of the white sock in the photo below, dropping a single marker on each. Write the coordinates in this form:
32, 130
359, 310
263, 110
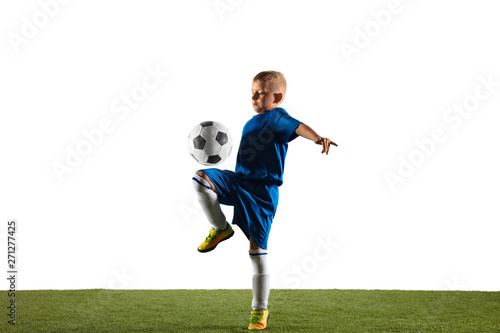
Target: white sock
261, 279
209, 203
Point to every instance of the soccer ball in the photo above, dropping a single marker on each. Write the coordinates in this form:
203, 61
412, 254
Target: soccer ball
210, 143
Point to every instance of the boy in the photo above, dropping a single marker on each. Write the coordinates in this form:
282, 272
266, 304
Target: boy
253, 188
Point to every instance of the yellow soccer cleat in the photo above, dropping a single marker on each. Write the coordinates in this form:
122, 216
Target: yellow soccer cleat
258, 320
214, 238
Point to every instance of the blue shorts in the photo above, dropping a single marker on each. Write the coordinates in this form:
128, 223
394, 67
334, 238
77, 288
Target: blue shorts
254, 203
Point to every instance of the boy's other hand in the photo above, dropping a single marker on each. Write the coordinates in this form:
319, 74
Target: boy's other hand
307, 132
325, 143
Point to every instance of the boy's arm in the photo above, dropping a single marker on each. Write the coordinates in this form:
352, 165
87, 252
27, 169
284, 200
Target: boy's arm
307, 132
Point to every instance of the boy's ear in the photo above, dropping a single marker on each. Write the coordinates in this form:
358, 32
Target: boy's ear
278, 98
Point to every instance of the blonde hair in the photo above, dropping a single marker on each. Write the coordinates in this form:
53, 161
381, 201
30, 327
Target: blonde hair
275, 78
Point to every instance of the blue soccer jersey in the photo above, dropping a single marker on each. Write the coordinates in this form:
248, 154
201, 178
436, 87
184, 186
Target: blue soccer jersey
253, 188
263, 146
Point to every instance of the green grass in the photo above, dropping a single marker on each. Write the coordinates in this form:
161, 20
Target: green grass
290, 311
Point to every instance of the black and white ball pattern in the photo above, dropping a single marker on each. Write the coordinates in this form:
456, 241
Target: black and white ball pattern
210, 143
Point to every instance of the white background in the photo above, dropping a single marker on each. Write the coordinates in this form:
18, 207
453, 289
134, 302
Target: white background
125, 218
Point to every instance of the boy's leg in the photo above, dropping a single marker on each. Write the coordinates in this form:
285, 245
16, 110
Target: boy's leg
260, 287
207, 196
209, 202
205, 178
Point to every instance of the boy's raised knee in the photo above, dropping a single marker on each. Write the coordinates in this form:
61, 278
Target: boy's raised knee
205, 178
254, 246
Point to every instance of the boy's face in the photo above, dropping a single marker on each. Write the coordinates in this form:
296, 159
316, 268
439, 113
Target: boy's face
264, 97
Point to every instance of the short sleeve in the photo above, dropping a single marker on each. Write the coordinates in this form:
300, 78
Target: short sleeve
284, 126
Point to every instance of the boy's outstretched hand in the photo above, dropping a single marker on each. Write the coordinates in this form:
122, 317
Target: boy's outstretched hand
307, 132
325, 142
